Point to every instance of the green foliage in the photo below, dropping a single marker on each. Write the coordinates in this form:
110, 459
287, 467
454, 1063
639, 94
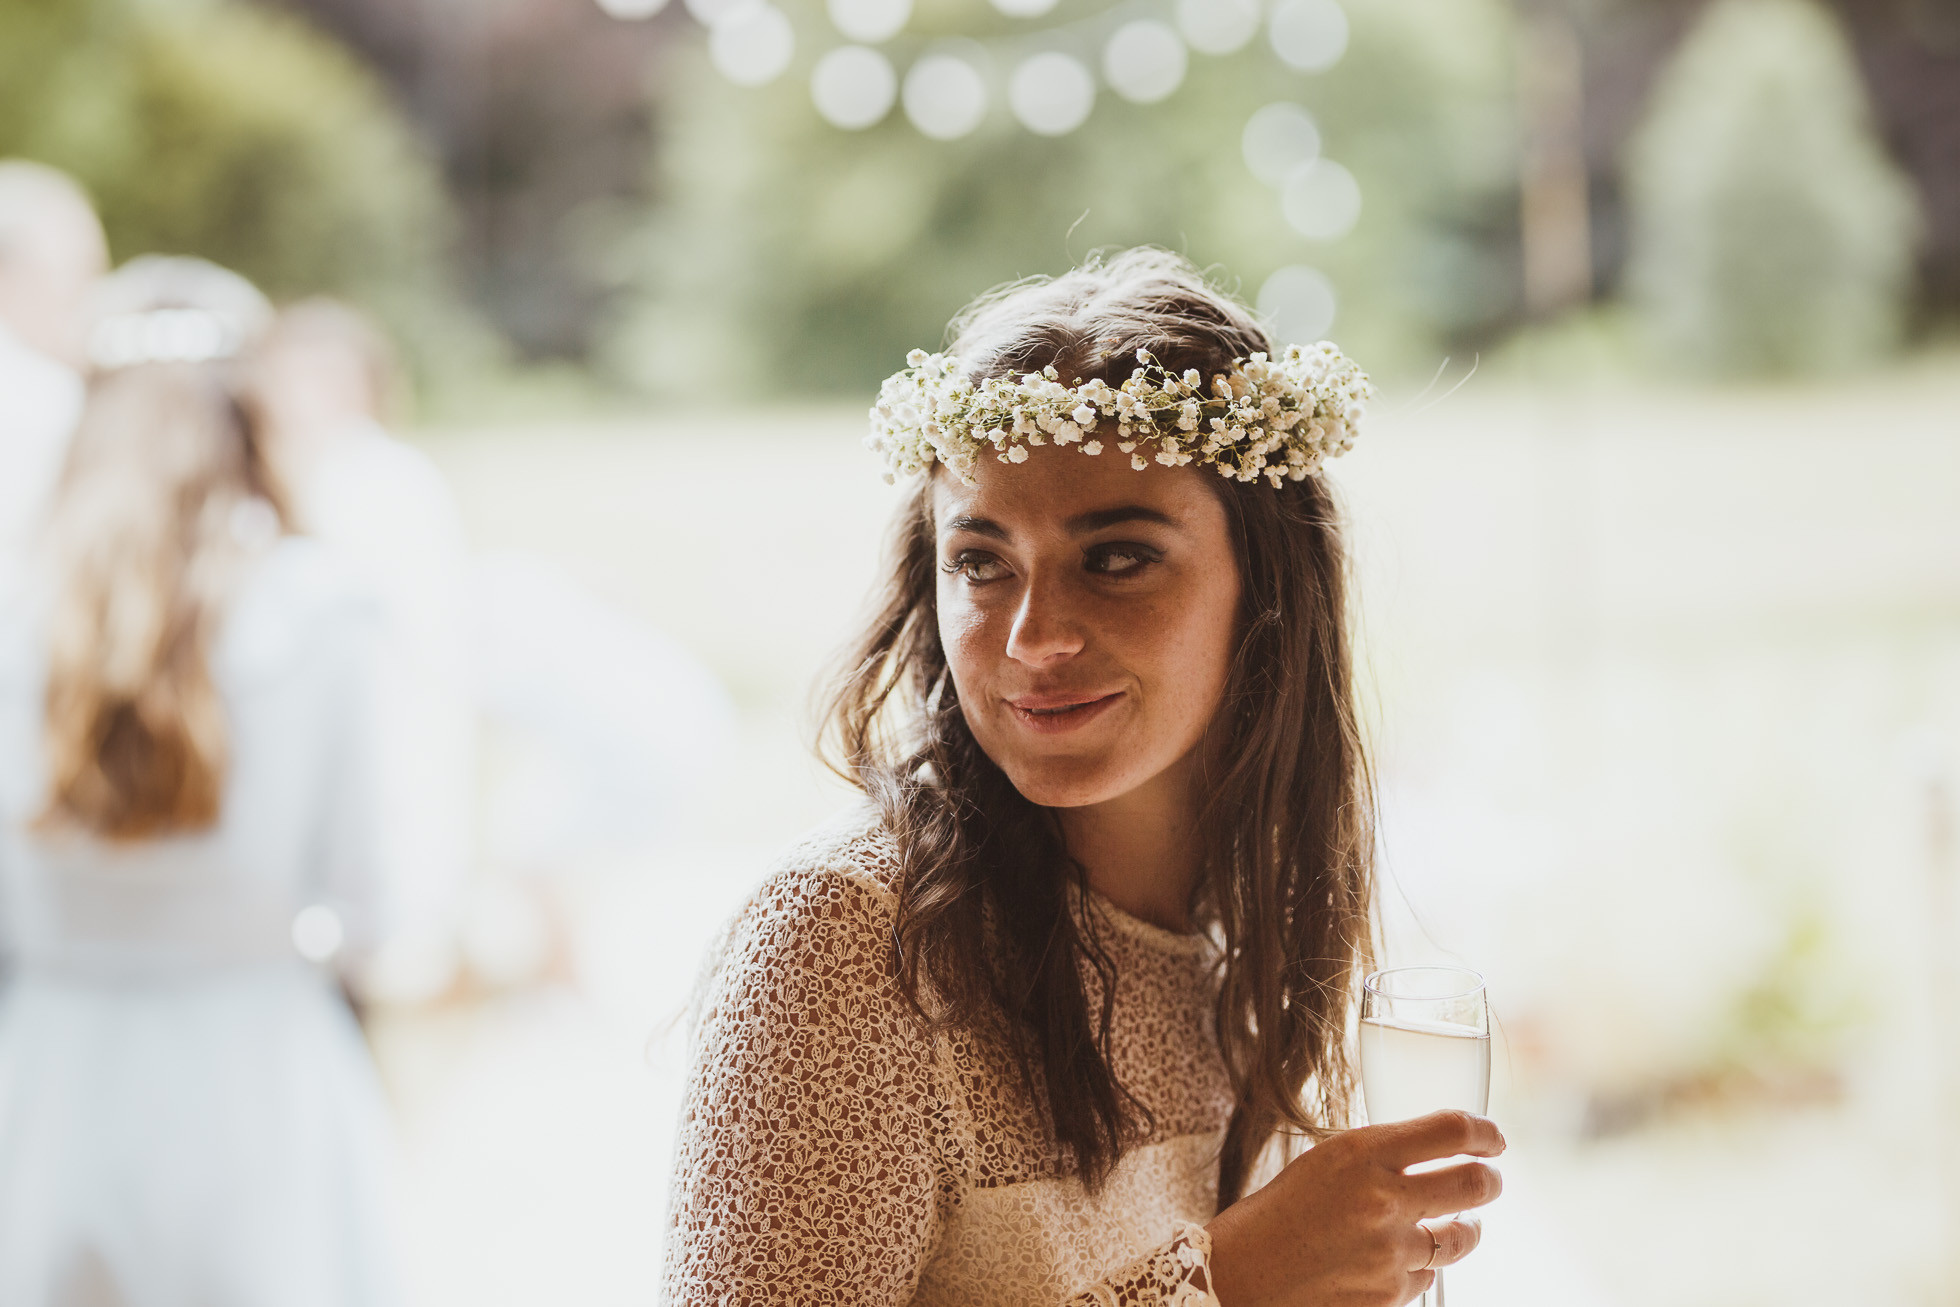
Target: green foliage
240, 134
817, 257
1771, 233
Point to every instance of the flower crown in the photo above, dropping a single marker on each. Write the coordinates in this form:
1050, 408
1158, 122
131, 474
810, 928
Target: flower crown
1277, 418
164, 335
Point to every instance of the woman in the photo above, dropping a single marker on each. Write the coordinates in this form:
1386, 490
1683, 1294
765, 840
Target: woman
188, 1117
1034, 1026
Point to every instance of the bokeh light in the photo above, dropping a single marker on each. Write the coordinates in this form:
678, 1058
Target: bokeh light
1024, 8
1298, 303
1217, 26
1278, 141
751, 43
1144, 61
1310, 35
853, 87
317, 932
1322, 201
631, 10
710, 12
945, 96
1051, 93
870, 21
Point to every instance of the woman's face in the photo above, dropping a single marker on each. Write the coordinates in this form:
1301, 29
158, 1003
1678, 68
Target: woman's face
1089, 613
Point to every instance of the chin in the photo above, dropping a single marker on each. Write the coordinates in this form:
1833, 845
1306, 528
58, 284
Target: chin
1070, 782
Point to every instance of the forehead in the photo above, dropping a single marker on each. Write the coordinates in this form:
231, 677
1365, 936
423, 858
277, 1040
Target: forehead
1057, 484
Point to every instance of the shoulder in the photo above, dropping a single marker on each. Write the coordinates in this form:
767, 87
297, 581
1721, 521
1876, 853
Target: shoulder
382, 453
853, 848
821, 922
838, 882
376, 477
301, 602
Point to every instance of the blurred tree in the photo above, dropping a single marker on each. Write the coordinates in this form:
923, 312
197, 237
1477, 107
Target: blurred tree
215, 128
1770, 231
1910, 51
539, 113
791, 256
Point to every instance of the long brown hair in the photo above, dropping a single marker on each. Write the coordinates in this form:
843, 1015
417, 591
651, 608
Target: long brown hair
989, 917
164, 489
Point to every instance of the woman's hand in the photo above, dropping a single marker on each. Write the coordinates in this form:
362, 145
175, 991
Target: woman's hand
1339, 1226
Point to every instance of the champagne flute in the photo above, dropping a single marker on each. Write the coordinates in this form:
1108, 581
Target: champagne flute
1425, 1046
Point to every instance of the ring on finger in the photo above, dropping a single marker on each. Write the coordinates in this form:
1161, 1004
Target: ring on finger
1435, 1248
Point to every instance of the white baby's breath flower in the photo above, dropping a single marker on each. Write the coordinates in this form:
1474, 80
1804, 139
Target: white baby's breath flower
1278, 418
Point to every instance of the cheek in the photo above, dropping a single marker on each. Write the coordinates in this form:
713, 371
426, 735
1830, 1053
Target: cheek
962, 632
1197, 640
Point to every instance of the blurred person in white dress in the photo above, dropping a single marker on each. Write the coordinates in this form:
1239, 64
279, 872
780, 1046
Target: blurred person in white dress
607, 734
190, 847
324, 382
51, 254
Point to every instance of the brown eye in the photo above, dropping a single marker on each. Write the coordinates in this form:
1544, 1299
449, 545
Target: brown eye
1119, 559
975, 567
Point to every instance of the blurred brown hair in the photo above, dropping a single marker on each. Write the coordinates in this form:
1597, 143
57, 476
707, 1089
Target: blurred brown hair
987, 888
164, 492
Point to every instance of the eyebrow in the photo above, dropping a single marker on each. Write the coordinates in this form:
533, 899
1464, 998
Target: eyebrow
1081, 524
979, 526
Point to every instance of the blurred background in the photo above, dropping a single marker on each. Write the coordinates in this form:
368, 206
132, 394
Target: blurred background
1657, 525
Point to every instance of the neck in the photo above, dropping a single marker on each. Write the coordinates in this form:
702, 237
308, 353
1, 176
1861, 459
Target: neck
1140, 849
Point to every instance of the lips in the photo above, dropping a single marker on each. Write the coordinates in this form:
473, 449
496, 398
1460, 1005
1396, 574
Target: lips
1054, 714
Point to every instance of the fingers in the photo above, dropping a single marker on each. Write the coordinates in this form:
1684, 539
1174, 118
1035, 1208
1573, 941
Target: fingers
1440, 1134
1442, 1243
1451, 1189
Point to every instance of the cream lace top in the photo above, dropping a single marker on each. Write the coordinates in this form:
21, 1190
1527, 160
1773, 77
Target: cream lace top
832, 1151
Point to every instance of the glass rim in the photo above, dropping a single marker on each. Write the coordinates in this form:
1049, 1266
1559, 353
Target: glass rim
1369, 984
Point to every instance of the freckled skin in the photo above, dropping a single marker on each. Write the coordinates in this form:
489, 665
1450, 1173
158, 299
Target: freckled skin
1136, 622
1051, 610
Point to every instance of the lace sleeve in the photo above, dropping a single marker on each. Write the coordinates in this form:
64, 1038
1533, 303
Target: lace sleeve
806, 1169
1177, 1274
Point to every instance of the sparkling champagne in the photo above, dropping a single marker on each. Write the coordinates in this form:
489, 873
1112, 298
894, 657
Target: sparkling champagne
1411, 1068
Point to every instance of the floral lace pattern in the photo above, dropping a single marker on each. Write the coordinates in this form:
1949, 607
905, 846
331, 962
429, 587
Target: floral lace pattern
1178, 1274
833, 1151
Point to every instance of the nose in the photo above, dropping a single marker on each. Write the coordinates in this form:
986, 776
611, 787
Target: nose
1045, 630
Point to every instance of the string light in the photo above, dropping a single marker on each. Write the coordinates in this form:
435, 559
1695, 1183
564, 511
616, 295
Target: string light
1321, 201
1144, 61
1310, 35
1051, 93
870, 21
1278, 141
1298, 304
945, 96
853, 87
